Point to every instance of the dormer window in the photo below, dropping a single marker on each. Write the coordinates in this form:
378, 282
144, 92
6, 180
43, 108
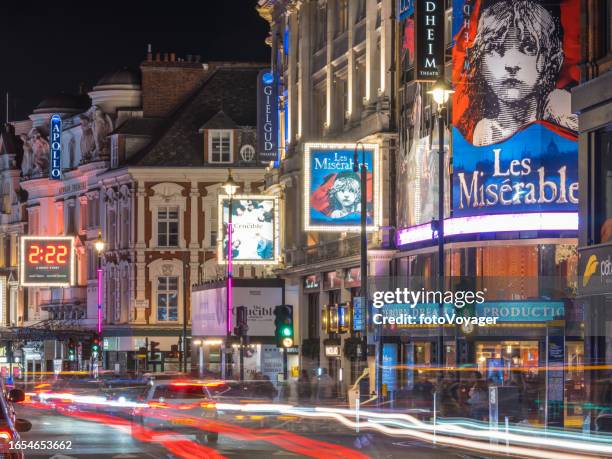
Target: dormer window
220, 146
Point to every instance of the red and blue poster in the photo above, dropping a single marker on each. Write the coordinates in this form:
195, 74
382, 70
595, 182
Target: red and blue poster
332, 192
514, 136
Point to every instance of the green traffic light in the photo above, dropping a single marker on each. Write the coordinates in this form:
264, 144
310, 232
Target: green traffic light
286, 331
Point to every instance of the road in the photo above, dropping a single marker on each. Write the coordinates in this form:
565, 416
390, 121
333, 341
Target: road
99, 436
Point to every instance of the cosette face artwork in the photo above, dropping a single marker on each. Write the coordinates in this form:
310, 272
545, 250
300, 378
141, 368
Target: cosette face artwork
514, 63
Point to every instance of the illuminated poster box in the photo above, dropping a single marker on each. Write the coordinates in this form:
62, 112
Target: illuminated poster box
332, 190
255, 230
47, 261
514, 136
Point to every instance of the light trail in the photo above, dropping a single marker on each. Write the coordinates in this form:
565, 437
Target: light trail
396, 424
416, 426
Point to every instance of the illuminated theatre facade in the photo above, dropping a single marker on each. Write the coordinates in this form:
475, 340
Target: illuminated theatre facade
512, 189
332, 60
511, 195
153, 199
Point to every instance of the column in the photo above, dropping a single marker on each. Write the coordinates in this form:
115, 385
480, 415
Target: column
329, 69
304, 83
194, 194
141, 303
371, 63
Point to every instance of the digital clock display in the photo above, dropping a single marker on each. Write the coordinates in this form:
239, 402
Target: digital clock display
47, 261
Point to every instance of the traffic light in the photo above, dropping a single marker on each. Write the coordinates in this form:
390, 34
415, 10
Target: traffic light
96, 347
71, 350
242, 326
283, 325
154, 346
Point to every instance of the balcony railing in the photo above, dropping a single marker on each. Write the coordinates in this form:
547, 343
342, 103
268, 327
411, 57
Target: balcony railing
342, 248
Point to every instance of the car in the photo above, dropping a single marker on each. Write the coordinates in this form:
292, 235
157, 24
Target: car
10, 425
173, 405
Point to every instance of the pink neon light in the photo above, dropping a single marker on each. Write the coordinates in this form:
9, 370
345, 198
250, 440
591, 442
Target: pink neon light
99, 300
553, 221
229, 277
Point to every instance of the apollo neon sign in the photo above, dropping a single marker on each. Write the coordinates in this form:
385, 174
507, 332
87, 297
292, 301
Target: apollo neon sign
55, 141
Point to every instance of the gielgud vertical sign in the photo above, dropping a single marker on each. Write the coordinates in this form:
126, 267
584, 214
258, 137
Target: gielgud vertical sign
429, 38
267, 116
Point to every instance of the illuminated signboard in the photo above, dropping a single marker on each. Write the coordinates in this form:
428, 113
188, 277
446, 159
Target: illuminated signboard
255, 232
47, 261
514, 136
55, 141
267, 116
332, 191
429, 37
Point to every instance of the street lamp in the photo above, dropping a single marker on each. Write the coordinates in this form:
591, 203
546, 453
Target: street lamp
99, 245
230, 188
363, 169
441, 92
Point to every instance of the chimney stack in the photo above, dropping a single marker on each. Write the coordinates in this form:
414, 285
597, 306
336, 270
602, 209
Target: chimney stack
189, 56
149, 53
197, 58
172, 57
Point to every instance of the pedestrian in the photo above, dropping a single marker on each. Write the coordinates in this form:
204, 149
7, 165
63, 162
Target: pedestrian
479, 401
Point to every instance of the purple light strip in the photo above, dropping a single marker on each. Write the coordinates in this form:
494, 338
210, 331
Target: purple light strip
229, 278
99, 300
551, 221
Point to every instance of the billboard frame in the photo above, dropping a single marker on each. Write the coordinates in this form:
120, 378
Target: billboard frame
376, 186
220, 252
22, 265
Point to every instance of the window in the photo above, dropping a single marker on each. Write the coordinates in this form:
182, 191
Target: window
361, 10
220, 147
167, 226
167, 298
321, 26
313, 315
603, 156
342, 16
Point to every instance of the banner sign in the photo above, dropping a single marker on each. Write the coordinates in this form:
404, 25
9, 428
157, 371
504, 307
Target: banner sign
389, 367
595, 270
521, 311
514, 136
534, 171
47, 261
255, 232
267, 116
429, 36
332, 190
260, 303
55, 140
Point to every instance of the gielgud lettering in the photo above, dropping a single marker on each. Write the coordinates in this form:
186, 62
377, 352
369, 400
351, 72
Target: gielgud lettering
523, 185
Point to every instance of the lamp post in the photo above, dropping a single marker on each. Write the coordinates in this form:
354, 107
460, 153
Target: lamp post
441, 92
363, 169
99, 245
230, 188
184, 335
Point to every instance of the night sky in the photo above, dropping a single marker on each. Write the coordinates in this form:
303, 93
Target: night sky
46, 50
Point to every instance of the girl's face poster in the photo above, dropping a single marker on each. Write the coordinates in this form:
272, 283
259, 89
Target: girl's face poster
332, 191
514, 136
254, 229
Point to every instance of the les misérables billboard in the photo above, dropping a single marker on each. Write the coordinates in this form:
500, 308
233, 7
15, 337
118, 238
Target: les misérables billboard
514, 136
332, 189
